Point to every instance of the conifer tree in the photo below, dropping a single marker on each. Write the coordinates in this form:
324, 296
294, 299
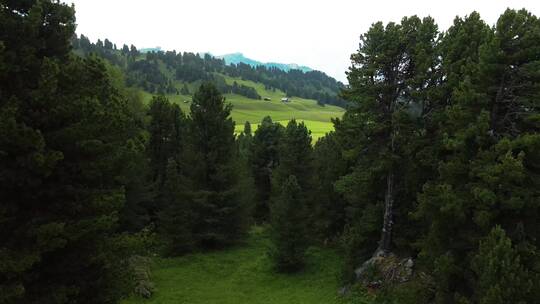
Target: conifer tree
329, 207
488, 147
295, 158
264, 158
390, 76
176, 218
501, 276
167, 130
211, 170
288, 227
292, 188
63, 126
245, 140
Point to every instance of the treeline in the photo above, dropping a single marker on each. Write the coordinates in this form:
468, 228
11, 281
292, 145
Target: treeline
156, 72
240, 89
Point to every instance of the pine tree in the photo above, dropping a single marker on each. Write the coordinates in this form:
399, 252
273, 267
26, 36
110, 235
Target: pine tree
501, 276
288, 227
295, 158
245, 140
176, 218
264, 158
390, 77
63, 127
329, 207
211, 170
488, 146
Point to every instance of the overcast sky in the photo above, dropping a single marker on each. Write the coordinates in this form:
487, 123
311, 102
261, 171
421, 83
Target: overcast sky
318, 34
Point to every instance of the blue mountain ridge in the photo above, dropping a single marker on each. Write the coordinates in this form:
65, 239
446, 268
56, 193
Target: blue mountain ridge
236, 58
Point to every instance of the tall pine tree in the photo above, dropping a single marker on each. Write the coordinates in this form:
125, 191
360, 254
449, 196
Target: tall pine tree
264, 158
211, 170
288, 229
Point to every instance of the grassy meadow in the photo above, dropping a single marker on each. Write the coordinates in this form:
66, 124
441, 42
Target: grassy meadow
244, 275
317, 118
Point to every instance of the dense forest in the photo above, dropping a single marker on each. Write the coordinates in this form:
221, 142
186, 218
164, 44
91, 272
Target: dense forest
429, 186
162, 72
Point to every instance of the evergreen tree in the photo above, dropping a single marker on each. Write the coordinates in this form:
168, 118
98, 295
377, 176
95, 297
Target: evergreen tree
212, 171
295, 158
166, 127
63, 126
264, 158
288, 227
245, 140
329, 166
485, 175
292, 195
176, 218
390, 77
501, 276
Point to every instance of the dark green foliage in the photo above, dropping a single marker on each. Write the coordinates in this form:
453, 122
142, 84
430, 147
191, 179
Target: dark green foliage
63, 128
295, 158
329, 166
244, 141
502, 278
211, 171
264, 158
452, 131
167, 124
486, 176
288, 227
166, 144
244, 90
71, 154
390, 80
176, 217
292, 194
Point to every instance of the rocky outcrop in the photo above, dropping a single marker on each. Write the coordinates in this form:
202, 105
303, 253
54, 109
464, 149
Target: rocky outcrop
384, 270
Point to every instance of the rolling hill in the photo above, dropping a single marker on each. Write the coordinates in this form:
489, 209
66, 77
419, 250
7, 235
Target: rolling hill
254, 92
316, 117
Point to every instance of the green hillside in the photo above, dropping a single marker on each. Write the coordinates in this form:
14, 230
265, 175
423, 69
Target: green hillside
316, 117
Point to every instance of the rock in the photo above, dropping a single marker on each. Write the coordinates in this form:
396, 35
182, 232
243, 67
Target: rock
384, 269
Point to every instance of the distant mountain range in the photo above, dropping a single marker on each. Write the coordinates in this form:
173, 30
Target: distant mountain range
237, 58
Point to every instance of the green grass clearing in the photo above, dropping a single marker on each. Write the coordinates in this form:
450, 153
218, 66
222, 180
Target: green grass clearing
318, 128
244, 275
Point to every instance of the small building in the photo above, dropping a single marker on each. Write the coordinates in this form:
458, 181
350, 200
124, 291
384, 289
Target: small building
285, 99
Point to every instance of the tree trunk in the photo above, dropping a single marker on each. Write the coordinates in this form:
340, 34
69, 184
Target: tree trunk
388, 220
386, 235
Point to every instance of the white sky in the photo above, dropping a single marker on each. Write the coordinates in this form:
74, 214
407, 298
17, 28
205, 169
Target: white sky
318, 34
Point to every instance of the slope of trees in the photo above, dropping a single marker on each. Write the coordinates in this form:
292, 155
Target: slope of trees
155, 72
